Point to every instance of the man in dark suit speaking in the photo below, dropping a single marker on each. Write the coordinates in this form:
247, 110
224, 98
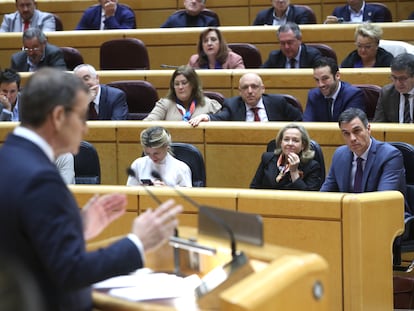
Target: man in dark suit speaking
293, 53
41, 223
252, 105
107, 103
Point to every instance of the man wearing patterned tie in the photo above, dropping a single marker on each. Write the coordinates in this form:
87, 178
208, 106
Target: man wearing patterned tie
107, 103
381, 164
293, 53
27, 16
331, 96
396, 100
252, 105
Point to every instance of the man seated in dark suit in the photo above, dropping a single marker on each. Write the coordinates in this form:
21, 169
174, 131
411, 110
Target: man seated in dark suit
109, 14
191, 17
281, 12
396, 100
9, 95
252, 105
331, 96
37, 53
358, 11
46, 228
364, 164
107, 103
293, 53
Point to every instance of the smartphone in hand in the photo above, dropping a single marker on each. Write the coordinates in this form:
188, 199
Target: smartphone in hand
147, 182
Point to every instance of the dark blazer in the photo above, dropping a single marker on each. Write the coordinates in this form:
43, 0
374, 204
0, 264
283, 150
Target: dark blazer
384, 170
53, 57
317, 107
112, 104
277, 109
40, 224
388, 105
265, 177
372, 13
308, 56
296, 15
382, 59
182, 19
124, 18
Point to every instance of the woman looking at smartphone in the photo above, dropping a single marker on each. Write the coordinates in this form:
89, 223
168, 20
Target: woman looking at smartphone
158, 167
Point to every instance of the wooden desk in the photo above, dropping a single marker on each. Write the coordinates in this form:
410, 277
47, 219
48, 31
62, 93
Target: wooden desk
175, 46
345, 229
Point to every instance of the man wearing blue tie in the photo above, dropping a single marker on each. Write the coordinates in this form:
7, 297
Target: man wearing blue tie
331, 96
364, 164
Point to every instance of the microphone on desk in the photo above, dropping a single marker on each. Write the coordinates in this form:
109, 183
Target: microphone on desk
169, 66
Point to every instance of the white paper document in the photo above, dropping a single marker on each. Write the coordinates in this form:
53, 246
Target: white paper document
141, 286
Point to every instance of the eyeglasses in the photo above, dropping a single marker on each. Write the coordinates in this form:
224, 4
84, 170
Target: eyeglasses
364, 47
401, 79
252, 86
30, 50
179, 83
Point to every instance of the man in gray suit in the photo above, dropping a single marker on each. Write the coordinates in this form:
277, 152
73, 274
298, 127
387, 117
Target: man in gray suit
27, 16
37, 53
396, 100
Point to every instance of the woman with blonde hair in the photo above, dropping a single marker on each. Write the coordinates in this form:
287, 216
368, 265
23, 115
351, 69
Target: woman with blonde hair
368, 52
291, 165
158, 167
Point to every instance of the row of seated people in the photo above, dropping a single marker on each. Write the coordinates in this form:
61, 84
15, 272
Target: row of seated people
213, 52
186, 101
109, 14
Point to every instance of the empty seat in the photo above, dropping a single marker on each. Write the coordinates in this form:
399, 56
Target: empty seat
396, 47
190, 155
124, 54
58, 23
249, 52
309, 11
293, 101
371, 95
87, 166
141, 97
72, 57
325, 50
385, 9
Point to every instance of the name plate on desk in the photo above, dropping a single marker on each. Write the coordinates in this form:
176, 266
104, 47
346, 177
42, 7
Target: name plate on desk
245, 226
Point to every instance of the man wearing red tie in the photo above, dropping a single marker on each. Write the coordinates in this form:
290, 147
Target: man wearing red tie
252, 105
27, 16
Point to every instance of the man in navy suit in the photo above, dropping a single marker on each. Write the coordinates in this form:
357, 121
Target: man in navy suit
381, 165
252, 105
332, 96
281, 12
191, 16
292, 53
108, 103
109, 14
37, 53
358, 11
41, 219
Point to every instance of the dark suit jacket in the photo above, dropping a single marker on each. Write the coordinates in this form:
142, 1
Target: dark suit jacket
382, 59
41, 221
180, 19
388, 105
265, 177
277, 109
317, 108
53, 58
308, 56
112, 104
296, 15
124, 18
372, 13
384, 170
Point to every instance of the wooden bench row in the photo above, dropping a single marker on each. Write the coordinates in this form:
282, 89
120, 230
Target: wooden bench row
151, 14
175, 46
296, 82
231, 150
348, 230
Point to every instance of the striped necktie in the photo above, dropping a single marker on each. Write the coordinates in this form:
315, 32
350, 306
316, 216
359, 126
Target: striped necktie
407, 115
